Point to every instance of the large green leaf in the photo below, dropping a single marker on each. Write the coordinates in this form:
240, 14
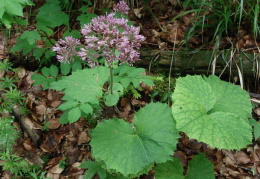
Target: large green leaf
84, 85
199, 167
212, 111
129, 148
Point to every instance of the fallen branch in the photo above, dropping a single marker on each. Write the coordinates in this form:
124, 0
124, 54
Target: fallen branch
26, 123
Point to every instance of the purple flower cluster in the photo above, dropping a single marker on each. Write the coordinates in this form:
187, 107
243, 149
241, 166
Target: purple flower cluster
121, 7
66, 49
104, 37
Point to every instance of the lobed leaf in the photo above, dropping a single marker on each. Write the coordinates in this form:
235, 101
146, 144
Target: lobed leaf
85, 85
126, 75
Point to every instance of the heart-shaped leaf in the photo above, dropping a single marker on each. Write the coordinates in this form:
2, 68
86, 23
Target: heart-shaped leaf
129, 148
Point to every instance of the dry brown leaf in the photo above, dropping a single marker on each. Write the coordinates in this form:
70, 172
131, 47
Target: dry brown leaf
41, 109
242, 158
53, 175
29, 80
54, 123
229, 162
21, 72
187, 18
3, 46
137, 12
27, 144
183, 159
56, 169
83, 138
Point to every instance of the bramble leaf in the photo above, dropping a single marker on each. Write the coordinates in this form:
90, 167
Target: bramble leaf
170, 169
39, 79
38, 52
86, 108
74, 114
45, 71
68, 105
65, 68
256, 126
54, 71
93, 168
24, 45
74, 33
200, 167
85, 18
31, 36
212, 111
51, 15
129, 148
26, 42
125, 75
13, 7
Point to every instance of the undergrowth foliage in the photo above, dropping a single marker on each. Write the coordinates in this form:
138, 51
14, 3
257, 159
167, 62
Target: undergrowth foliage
11, 98
205, 108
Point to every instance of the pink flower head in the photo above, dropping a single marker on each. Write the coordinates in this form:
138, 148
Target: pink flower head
66, 49
106, 36
121, 7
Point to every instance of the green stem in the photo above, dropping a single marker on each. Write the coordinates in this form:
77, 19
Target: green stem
111, 78
111, 90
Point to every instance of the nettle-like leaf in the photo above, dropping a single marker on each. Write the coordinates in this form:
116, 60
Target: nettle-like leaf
131, 148
212, 111
13, 7
74, 110
51, 15
256, 126
93, 168
26, 42
126, 75
85, 85
85, 18
170, 169
199, 167
49, 76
